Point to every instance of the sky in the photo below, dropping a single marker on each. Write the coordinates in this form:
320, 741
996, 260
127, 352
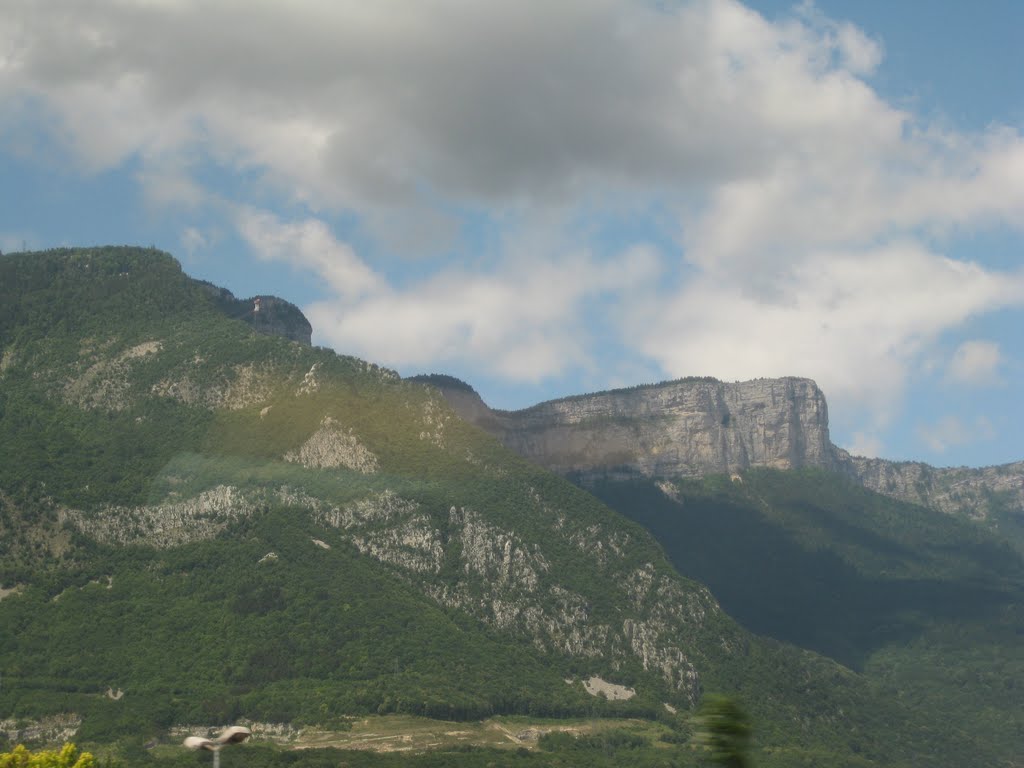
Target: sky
552, 198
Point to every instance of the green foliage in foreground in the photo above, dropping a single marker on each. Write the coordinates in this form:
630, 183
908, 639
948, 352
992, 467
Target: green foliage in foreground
724, 729
67, 757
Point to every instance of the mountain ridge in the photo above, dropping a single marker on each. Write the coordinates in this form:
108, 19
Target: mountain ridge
695, 426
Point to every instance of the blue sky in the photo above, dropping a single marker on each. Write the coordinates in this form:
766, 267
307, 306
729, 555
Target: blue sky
545, 199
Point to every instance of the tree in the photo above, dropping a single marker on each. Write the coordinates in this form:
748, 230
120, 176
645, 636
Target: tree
67, 757
723, 728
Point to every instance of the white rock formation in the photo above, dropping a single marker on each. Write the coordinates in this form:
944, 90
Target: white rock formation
167, 524
597, 686
334, 446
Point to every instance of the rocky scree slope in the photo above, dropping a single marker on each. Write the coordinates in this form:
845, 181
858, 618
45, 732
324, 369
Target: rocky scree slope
699, 426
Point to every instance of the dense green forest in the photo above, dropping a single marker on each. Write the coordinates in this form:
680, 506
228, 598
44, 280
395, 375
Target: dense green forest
224, 525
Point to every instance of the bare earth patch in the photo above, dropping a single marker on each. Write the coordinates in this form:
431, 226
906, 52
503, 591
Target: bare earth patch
402, 733
51, 729
597, 687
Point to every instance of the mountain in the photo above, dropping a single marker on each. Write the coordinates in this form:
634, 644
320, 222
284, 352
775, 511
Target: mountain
202, 519
909, 574
698, 426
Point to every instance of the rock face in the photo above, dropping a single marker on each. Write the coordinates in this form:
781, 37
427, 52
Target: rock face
267, 315
511, 584
277, 317
693, 427
332, 446
977, 493
689, 427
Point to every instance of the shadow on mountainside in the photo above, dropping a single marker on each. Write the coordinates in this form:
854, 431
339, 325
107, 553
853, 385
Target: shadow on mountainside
778, 583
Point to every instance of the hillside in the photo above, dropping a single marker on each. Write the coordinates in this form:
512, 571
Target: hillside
929, 606
202, 523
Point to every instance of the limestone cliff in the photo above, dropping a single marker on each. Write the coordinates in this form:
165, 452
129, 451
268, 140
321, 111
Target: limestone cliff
687, 427
977, 493
692, 427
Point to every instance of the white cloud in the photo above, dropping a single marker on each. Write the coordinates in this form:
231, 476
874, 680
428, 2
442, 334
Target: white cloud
311, 245
193, 240
813, 213
166, 187
858, 53
521, 320
855, 321
866, 444
353, 102
976, 362
951, 431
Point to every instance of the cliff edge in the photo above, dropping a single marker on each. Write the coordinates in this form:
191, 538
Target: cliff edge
698, 426
267, 315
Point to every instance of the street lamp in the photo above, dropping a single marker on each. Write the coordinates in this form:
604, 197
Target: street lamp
236, 734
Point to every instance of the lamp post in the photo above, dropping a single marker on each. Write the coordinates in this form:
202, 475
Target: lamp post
236, 734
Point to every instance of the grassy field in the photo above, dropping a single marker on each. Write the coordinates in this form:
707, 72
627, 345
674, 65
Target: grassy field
403, 733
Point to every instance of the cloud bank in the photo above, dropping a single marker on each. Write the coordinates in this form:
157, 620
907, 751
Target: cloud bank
774, 214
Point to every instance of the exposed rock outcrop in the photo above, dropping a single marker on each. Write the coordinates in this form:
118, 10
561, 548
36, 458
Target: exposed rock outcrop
693, 427
688, 427
48, 730
106, 384
277, 317
334, 446
977, 493
268, 315
164, 525
507, 583
231, 388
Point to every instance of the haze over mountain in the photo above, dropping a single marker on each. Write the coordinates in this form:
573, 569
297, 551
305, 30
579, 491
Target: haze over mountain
213, 520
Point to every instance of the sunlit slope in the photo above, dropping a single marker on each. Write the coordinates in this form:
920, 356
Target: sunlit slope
222, 524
